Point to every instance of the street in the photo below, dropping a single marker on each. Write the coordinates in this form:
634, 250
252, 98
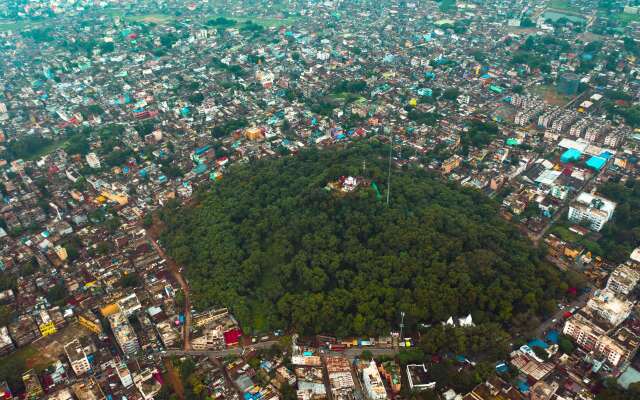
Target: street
175, 271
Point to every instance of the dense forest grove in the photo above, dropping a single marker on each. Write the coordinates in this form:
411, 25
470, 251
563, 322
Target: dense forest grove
280, 251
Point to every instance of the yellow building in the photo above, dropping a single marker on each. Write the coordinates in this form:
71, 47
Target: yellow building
109, 309
45, 323
48, 328
61, 252
121, 199
93, 325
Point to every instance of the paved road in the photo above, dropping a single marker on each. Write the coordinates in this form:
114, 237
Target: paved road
349, 353
175, 271
537, 237
558, 316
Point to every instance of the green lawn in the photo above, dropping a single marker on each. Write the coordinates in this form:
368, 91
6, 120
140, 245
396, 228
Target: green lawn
560, 5
624, 18
267, 22
9, 25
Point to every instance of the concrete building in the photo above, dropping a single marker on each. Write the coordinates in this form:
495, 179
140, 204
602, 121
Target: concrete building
124, 374
373, 385
544, 391
418, 377
340, 377
583, 331
6, 344
77, 357
93, 160
618, 348
45, 323
593, 210
124, 333
624, 278
607, 306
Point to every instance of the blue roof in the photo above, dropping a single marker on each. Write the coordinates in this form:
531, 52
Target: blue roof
596, 162
537, 343
552, 336
200, 168
523, 387
202, 149
570, 155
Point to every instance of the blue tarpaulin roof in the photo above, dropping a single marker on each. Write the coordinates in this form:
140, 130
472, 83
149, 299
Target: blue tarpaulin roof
596, 162
570, 155
552, 336
537, 343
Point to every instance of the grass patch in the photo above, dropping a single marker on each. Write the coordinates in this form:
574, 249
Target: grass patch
625, 19
549, 94
9, 25
266, 22
560, 5
160, 19
28, 356
47, 149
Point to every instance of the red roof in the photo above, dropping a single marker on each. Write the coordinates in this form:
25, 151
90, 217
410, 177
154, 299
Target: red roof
232, 336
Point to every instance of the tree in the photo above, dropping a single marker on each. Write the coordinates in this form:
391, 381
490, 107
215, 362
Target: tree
450, 93
565, 345
366, 355
334, 263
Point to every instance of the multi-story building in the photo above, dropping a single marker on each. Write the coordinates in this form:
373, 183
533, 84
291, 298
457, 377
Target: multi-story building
45, 323
6, 344
32, 387
624, 278
24, 330
340, 377
124, 374
605, 305
418, 377
77, 357
583, 331
373, 384
450, 164
129, 305
593, 210
93, 160
619, 347
124, 333
90, 322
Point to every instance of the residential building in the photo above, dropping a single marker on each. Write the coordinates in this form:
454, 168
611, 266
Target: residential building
583, 331
45, 323
624, 278
373, 385
6, 344
618, 348
607, 306
77, 357
24, 330
90, 322
124, 333
593, 210
93, 160
124, 374
32, 387
419, 378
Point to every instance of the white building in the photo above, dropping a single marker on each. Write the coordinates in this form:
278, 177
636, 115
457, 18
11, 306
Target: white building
373, 384
608, 307
77, 357
418, 377
93, 160
624, 278
124, 374
124, 333
593, 210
